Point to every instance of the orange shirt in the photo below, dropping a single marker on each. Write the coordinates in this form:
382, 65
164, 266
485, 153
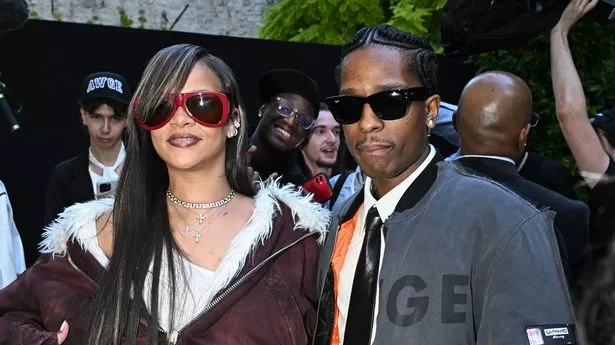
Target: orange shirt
342, 243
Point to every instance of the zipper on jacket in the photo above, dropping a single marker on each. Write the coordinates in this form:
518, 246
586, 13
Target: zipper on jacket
80, 271
173, 338
217, 300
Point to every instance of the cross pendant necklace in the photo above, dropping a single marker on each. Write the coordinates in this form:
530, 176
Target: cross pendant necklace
200, 218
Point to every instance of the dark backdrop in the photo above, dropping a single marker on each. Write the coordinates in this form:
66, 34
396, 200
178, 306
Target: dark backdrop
44, 63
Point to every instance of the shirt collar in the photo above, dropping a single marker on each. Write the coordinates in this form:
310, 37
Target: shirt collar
505, 159
387, 203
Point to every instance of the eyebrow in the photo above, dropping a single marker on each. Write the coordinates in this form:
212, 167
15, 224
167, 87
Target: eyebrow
98, 114
378, 88
325, 127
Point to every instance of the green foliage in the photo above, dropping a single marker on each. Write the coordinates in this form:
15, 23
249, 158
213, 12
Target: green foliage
125, 20
164, 22
593, 49
319, 21
57, 16
420, 17
142, 19
33, 13
92, 20
335, 22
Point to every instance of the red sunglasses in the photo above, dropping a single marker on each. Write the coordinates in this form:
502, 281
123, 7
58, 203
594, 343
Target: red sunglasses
208, 108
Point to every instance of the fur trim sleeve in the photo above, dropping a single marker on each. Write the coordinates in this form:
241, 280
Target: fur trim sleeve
307, 214
78, 223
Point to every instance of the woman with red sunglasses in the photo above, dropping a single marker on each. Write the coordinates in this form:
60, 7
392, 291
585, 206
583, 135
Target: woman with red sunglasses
187, 252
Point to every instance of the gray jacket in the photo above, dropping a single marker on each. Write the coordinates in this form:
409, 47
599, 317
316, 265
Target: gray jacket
466, 262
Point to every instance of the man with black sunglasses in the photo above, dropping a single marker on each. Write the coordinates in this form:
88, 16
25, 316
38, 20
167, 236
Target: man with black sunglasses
427, 252
290, 107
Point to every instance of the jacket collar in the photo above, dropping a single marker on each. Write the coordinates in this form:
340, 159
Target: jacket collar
75, 231
82, 167
494, 168
419, 188
411, 197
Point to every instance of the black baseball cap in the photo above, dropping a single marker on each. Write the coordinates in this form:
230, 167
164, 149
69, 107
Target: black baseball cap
280, 81
605, 121
105, 85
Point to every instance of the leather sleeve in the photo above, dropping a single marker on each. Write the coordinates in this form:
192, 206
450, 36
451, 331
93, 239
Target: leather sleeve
48, 293
310, 265
21, 320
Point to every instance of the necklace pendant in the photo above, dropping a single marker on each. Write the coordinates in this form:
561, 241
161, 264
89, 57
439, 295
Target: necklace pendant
197, 236
187, 229
200, 218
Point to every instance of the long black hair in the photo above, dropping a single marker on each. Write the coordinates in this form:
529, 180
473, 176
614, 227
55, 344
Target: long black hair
421, 60
141, 230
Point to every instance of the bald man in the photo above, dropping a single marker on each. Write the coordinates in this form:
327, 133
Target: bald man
493, 122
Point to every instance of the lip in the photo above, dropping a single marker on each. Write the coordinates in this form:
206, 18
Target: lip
373, 148
283, 132
328, 150
104, 140
183, 140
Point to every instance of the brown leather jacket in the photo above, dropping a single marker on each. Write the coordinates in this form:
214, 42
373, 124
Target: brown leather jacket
271, 301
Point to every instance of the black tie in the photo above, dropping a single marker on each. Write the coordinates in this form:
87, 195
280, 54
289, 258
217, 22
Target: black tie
363, 296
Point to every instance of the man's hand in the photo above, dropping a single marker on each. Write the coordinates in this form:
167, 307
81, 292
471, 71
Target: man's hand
573, 12
63, 333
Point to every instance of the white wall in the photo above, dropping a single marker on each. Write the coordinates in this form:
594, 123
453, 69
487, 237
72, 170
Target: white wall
240, 18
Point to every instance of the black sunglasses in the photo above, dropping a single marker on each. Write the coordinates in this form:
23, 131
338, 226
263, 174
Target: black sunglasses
387, 105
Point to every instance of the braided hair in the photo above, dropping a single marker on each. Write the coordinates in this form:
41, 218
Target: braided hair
420, 58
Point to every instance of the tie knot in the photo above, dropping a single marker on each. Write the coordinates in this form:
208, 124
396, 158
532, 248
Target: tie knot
373, 221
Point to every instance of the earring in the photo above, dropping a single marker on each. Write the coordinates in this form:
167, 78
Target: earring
235, 132
430, 123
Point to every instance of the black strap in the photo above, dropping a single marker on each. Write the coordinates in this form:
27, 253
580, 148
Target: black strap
338, 188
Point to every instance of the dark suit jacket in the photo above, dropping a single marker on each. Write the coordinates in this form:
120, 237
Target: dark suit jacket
601, 201
549, 173
70, 183
571, 218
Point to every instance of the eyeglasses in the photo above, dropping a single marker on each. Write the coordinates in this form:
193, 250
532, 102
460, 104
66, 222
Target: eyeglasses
534, 119
210, 109
387, 105
286, 108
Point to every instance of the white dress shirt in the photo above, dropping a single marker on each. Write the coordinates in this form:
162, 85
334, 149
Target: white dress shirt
500, 158
385, 205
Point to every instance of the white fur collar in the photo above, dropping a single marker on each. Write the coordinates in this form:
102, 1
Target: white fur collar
77, 222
